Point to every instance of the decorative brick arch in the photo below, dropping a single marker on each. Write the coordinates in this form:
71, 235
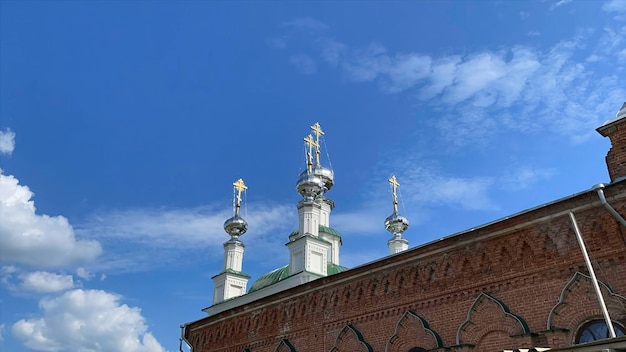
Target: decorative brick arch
578, 303
412, 331
285, 346
350, 339
488, 315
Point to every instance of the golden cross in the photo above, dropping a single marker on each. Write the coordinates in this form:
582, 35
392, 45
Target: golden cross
394, 185
310, 143
317, 129
240, 187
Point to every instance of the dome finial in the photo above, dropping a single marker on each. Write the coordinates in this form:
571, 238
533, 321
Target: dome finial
395, 223
317, 130
239, 187
310, 143
236, 225
323, 173
394, 186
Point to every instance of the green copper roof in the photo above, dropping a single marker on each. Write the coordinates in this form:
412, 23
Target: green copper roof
282, 273
321, 228
234, 272
329, 231
270, 278
332, 269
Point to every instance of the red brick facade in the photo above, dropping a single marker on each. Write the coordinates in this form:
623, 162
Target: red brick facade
515, 283
512, 284
616, 157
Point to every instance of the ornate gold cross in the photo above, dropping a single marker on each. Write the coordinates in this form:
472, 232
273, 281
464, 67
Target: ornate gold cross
239, 187
311, 144
317, 129
394, 185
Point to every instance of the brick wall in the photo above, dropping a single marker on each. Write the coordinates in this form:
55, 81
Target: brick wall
495, 287
616, 157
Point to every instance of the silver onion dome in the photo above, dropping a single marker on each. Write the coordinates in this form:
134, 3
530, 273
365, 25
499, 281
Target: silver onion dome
396, 224
309, 185
326, 175
235, 226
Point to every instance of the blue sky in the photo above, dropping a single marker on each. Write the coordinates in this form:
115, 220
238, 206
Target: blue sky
124, 124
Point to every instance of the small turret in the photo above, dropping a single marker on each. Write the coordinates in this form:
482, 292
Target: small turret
395, 223
236, 225
314, 244
232, 282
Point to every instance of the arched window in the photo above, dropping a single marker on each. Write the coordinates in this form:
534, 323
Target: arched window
597, 330
418, 349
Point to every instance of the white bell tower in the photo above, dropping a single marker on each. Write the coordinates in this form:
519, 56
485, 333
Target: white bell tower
315, 245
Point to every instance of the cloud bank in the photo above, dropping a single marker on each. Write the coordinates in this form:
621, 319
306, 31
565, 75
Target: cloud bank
521, 88
76, 320
33, 239
86, 320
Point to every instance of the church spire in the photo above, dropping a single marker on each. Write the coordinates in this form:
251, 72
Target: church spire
315, 244
232, 282
395, 223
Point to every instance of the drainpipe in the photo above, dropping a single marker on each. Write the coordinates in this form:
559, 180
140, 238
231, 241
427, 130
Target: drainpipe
182, 339
594, 280
599, 188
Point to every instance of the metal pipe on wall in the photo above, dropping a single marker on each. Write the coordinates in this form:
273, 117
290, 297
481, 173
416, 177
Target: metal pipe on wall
605, 312
599, 188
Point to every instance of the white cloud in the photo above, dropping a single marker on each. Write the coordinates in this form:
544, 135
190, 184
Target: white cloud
524, 178
484, 79
84, 273
45, 282
475, 74
406, 70
183, 228
1, 332
618, 6
33, 239
7, 142
368, 63
621, 56
34, 282
473, 126
471, 193
559, 4
442, 75
86, 320
304, 63
520, 88
332, 50
594, 58
6, 274
134, 237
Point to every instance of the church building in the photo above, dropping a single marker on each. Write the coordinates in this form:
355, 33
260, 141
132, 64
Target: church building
522, 283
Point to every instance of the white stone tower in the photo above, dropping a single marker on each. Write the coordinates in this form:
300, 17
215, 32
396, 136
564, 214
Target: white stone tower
395, 223
232, 282
315, 244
